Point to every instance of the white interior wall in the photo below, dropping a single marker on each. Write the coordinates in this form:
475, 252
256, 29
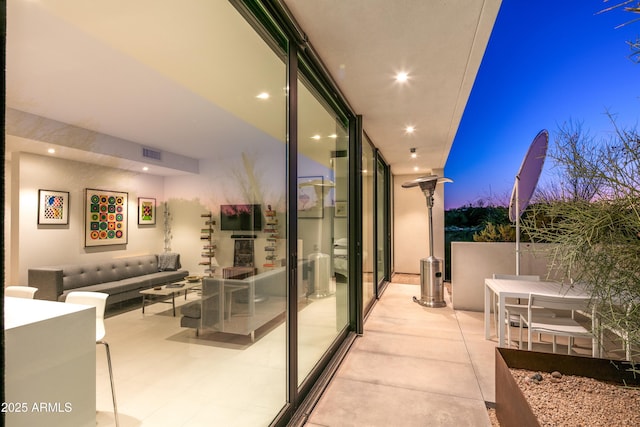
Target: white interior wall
42, 245
411, 225
256, 178
248, 178
189, 197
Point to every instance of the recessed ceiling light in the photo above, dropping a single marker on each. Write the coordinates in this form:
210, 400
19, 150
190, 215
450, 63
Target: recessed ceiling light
145, 168
410, 129
263, 95
402, 77
316, 137
415, 168
333, 136
51, 151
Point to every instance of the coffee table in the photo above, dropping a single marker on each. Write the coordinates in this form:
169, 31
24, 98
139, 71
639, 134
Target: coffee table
165, 291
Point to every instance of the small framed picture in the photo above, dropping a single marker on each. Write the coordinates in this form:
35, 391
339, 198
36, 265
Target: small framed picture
341, 209
53, 207
146, 211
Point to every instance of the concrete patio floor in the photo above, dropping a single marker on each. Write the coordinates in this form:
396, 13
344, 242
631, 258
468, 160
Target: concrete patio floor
414, 366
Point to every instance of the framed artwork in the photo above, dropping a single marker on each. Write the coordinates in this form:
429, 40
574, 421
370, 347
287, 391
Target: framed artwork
146, 211
341, 209
105, 217
53, 207
243, 253
310, 196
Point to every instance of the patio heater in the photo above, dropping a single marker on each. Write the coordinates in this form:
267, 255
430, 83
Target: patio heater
320, 279
431, 281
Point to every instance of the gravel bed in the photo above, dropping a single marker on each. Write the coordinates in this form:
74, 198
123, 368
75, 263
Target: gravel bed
567, 400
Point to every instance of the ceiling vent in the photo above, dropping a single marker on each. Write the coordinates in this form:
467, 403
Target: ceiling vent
151, 154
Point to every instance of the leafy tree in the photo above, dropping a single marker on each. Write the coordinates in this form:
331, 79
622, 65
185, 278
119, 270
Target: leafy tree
496, 233
476, 216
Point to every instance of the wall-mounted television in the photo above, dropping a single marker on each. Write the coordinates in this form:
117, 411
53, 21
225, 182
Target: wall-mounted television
240, 217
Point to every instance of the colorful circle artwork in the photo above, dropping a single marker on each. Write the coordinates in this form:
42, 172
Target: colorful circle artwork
106, 217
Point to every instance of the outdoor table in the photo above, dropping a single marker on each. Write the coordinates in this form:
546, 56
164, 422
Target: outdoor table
512, 288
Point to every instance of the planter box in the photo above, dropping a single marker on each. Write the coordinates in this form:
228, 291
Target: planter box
511, 406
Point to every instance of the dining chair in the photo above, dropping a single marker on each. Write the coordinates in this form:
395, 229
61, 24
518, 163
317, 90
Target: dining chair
20, 291
560, 325
514, 308
99, 301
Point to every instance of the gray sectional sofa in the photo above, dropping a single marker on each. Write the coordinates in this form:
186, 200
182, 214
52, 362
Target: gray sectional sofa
121, 278
246, 305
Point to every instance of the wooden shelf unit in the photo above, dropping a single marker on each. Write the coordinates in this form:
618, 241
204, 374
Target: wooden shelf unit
209, 245
272, 236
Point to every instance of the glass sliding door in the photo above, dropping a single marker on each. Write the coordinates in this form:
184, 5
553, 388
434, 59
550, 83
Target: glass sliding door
322, 211
369, 172
188, 125
193, 127
382, 223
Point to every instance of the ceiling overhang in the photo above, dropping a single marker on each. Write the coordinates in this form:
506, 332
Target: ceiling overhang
110, 67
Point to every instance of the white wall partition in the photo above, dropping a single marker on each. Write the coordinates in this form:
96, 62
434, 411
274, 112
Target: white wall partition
472, 262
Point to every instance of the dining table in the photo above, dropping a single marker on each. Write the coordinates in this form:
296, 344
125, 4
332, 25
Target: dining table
516, 288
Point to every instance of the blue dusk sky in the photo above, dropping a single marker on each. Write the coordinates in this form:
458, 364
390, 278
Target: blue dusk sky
547, 62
